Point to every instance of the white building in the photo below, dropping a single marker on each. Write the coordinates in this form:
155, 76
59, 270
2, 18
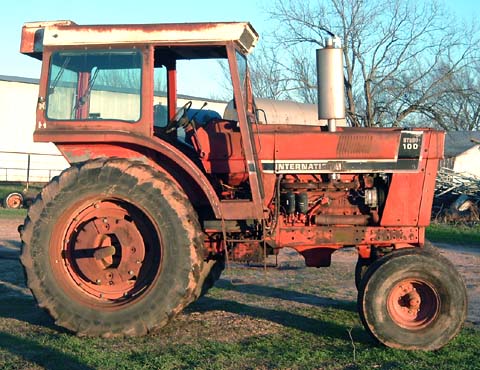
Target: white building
18, 100
462, 152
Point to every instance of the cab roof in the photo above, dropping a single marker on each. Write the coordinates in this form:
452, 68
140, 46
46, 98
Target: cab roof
36, 35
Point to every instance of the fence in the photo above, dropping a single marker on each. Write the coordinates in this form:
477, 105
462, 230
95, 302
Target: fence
30, 167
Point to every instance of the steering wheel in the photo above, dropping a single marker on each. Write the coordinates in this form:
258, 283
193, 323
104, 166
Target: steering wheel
180, 119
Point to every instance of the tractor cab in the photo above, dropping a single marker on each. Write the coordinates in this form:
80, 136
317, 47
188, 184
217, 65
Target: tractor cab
127, 83
129, 74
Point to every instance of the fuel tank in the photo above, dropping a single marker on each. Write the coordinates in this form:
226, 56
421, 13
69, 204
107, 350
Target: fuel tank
283, 112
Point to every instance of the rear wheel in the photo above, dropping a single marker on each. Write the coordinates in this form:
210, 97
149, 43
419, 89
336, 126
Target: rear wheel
111, 248
412, 299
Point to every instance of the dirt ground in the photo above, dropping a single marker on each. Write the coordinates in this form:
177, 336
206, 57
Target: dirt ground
338, 278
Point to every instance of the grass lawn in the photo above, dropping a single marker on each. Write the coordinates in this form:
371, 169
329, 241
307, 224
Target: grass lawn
458, 234
12, 213
231, 328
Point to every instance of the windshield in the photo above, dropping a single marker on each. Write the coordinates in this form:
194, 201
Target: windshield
93, 85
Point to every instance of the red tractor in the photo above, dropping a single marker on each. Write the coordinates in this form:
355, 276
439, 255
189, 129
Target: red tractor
158, 197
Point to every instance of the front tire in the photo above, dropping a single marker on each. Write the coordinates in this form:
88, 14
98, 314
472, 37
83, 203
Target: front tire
112, 248
412, 299
211, 272
361, 268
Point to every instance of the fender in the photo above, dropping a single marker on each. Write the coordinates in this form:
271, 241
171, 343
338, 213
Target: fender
75, 148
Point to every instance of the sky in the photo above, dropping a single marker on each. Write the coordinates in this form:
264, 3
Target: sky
14, 13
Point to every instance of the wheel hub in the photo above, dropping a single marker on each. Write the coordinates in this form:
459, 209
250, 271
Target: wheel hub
104, 252
413, 304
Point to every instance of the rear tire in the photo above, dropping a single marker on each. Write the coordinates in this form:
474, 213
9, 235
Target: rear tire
412, 299
112, 248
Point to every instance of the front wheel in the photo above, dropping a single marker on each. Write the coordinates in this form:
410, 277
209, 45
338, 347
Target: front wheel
112, 248
412, 299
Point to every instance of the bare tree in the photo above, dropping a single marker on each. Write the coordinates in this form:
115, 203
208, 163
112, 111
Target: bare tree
269, 80
283, 75
400, 56
458, 106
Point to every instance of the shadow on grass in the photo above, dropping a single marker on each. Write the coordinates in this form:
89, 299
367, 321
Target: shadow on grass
287, 295
18, 304
292, 320
24, 309
17, 301
10, 249
40, 355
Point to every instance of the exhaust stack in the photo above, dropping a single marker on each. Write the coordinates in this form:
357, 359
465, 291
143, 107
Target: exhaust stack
330, 83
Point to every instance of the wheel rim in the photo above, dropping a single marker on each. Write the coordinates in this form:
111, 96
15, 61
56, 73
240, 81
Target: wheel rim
14, 201
110, 254
413, 304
